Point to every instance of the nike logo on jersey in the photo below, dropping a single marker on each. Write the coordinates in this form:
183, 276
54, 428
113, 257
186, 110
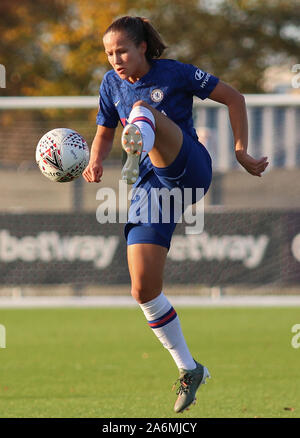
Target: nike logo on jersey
117, 103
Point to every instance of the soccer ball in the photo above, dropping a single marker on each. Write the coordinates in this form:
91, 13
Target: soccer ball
62, 155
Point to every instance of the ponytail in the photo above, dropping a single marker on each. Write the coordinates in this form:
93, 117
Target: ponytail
155, 45
140, 29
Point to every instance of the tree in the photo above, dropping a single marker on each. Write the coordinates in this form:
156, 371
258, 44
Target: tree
22, 28
55, 48
235, 40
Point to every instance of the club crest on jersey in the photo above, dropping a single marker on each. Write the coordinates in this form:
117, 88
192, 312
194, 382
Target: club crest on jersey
199, 74
157, 95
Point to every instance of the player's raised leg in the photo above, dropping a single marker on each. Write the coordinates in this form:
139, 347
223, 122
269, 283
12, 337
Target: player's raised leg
149, 132
146, 265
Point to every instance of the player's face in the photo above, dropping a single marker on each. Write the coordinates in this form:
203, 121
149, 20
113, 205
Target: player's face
128, 60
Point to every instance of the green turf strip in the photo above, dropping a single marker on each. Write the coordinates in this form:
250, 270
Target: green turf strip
107, 363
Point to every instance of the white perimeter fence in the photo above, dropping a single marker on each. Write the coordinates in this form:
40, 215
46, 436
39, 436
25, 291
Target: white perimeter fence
274, 121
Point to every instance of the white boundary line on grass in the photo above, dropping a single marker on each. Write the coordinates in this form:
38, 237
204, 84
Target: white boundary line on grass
128, 301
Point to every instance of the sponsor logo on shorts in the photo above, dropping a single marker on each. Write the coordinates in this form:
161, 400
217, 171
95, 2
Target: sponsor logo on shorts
157, 95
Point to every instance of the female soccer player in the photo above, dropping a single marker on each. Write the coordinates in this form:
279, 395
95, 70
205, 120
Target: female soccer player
153, 100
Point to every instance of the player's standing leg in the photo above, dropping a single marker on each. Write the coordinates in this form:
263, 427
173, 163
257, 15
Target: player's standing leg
146, 265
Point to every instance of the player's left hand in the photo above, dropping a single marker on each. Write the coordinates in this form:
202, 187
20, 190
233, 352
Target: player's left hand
93, 172
253, 166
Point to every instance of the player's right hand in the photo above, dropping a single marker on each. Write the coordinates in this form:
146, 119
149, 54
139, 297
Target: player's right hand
93, 172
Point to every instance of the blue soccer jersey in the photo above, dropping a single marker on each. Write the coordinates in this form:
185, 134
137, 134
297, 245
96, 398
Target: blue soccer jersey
169, 86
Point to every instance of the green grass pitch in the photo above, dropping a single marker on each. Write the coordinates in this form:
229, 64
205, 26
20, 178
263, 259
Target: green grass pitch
106, 363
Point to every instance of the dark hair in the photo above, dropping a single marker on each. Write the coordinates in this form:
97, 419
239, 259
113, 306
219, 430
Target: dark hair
139, 29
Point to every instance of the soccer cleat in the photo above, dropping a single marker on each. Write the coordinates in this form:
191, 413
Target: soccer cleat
132, 144
190, 381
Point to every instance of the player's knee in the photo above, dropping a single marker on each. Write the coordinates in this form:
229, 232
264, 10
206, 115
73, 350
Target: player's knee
139, 293
143, 294
142, 103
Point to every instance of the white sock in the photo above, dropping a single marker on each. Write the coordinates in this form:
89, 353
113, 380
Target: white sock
144, 119
165, 323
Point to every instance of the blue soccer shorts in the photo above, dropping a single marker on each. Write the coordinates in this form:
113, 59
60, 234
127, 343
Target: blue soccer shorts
150, 220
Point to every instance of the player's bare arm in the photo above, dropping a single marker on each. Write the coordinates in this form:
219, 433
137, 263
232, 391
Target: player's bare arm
101, 147
235, 101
